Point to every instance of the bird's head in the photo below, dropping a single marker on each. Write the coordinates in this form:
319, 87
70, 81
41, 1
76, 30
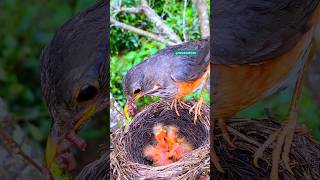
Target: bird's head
136, 84
172, 134
160, 134
72, 102
74, 78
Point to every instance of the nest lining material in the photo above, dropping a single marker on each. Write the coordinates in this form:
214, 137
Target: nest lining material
127, 161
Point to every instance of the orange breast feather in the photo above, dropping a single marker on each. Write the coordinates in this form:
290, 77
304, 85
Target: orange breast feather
186, 88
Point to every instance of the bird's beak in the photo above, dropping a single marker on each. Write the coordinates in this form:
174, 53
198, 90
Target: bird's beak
126, 112
54, 140
130, 107
51, 149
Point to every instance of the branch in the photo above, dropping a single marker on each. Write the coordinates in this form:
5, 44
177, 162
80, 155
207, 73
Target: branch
153, 17
141, 32
202, 10
12, 145
133, 10
185, 35
158, 22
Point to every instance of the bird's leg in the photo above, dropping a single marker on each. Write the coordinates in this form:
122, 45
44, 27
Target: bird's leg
215, 160
213, 156
197, 109
197, 106
283, 137
174, 103
182, 104
224, 131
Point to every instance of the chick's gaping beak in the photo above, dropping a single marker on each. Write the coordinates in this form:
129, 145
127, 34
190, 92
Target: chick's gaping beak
55, 143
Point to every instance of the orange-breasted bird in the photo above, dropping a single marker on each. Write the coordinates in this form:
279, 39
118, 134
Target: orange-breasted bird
74, 80
259, 48
169, 75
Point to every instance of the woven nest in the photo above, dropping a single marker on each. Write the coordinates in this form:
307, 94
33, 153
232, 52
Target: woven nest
127, 161
249, 135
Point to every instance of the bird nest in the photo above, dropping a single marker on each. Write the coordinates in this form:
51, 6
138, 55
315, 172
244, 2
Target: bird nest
127, 157
248, 135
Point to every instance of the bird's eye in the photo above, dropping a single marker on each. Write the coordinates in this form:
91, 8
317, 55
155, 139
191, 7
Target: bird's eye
137, 91
87, 93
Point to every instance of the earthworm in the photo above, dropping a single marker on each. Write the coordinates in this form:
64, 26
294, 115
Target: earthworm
78, 141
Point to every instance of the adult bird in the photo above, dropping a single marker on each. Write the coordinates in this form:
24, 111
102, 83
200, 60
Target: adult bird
74, 80
259, 48
170, 75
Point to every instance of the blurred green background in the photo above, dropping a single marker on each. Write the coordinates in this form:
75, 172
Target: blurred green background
26, 28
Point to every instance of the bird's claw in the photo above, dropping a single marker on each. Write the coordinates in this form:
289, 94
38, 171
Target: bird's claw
283, 139
174, 105
225, 133
197, 110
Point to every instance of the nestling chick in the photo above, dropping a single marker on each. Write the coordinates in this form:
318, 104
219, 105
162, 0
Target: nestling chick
169, 147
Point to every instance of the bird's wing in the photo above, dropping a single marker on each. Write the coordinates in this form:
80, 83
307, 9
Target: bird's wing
254, 31
189, 68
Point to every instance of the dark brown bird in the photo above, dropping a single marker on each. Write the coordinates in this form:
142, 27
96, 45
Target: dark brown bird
259, 48
169, 76
74, 80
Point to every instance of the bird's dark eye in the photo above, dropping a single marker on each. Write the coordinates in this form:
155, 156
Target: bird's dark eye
137, 91
87, 93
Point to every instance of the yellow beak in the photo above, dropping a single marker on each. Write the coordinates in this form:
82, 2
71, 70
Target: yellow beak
53, 142
51, 150
126, 113
129, 102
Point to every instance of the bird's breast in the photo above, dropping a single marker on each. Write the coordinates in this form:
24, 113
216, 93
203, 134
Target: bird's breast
236, 87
